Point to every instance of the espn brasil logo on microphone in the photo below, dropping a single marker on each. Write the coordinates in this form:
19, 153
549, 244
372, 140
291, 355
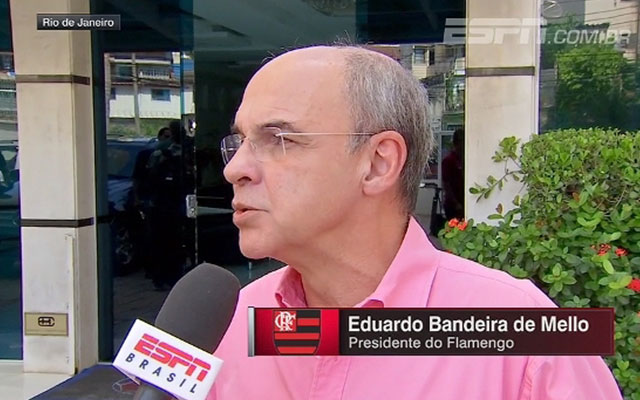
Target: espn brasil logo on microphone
154, 356
169, 356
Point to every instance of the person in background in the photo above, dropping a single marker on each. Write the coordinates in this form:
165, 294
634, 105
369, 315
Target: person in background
453, 177
325, 157
166, 211
186, 184
142, 192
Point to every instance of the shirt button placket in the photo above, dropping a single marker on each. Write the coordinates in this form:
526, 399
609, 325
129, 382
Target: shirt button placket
329, 378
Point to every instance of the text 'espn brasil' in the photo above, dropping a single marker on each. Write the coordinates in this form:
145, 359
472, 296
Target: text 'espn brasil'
159, 359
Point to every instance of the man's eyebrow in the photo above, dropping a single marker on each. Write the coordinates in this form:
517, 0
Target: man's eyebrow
281, 124
278, 123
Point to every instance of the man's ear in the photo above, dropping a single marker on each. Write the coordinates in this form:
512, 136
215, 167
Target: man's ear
387, 154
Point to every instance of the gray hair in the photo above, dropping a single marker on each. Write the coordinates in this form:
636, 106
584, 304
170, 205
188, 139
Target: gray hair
385, 96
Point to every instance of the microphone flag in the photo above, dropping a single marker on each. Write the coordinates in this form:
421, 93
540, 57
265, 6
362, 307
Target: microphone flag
164, 361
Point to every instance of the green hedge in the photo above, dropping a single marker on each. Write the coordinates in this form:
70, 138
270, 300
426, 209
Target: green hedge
575, 231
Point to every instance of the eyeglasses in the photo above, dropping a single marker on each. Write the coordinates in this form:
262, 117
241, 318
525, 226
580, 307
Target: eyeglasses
269, 147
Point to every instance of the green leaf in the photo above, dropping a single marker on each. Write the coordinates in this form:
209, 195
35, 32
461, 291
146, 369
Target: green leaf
573, 259
622, 365
518, 272
584, 196
615, 236
608, 267
588, 224
620, 283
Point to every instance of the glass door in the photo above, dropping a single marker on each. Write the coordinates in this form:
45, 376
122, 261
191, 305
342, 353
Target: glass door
10, 264
150, 174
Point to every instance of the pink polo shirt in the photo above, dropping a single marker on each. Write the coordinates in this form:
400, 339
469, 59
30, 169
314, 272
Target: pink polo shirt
419, 276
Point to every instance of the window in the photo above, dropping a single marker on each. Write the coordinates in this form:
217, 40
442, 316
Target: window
112, 95
418, 55
432, 57
160, 94
122, 73
6, 62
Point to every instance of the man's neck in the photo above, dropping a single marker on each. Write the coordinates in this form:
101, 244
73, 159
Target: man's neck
344, 269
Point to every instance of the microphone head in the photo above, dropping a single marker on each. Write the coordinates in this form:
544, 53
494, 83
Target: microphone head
200, 306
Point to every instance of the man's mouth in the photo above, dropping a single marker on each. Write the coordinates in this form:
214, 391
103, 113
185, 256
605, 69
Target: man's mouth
242, 211
241, 207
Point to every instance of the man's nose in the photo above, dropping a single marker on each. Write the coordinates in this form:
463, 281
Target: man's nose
242, 166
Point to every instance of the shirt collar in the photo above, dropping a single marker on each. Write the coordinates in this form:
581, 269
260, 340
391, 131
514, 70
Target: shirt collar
406, 283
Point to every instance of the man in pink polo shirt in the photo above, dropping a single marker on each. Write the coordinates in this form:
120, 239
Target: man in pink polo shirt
325, 158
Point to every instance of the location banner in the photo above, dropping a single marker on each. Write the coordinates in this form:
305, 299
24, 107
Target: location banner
431, 331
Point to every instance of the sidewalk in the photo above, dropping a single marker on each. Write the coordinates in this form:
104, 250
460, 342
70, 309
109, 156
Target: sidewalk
16, 385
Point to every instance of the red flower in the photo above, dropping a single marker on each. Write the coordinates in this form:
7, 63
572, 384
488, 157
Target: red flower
620, 252
604, 249
453, 222
634, 285
462, 225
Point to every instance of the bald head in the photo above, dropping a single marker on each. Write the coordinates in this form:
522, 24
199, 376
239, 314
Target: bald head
320, 56
321, 69
303, 87
346, 87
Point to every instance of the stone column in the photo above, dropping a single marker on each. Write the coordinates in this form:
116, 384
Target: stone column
57, 186
502, 58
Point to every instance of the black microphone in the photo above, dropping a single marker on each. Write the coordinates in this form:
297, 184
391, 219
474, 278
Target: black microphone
198, 310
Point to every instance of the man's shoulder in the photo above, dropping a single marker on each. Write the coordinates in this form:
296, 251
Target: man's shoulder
465, 283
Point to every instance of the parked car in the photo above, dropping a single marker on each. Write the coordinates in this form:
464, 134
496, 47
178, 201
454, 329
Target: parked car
124, 219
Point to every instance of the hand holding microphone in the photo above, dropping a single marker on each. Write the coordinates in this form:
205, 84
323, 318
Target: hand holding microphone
173, 359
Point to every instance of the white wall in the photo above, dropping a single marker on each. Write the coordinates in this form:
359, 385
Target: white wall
122, 105
621, 15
